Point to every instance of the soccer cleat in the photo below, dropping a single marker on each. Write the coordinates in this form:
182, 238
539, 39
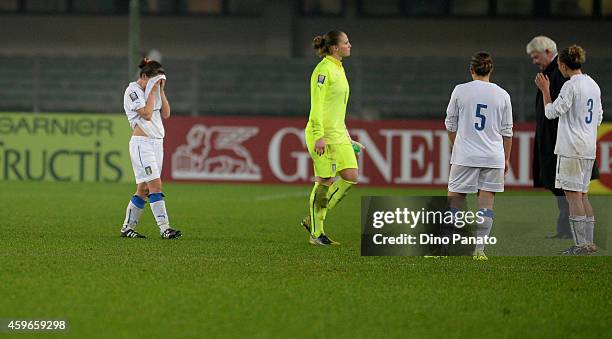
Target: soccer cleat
480, 255
592, 248
306, 223
171, 234
568, 250
576, 250
322, 240
130, 233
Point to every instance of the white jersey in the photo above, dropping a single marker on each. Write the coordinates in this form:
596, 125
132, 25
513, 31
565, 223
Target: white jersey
578, 107
133, 100
481, 113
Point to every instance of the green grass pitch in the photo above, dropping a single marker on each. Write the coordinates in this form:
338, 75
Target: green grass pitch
244, 268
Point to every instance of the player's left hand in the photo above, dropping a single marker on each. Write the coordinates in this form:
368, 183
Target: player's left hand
162, 84
506, 167
357, 146
542, 81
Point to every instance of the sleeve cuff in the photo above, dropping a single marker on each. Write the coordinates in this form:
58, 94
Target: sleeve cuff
549, 112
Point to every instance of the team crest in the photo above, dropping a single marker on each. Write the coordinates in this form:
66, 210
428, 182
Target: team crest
321, 79
148, 170
333, 168
133, 96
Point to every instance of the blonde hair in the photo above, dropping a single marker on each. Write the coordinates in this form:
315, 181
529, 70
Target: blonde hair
573, 56
541, 44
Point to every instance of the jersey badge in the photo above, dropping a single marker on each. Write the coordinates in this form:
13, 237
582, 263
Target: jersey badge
133, 96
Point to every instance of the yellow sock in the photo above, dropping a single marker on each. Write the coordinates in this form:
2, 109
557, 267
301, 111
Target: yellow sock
337, 191
318, 208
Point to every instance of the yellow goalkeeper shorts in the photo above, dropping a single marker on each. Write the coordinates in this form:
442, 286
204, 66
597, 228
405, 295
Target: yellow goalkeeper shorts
336, 158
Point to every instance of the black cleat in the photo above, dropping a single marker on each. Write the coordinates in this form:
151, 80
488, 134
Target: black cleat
568, 250
171, 234
322, 240
130, 233
576, 250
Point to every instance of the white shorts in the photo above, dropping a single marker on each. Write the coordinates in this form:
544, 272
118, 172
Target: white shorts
463, 179
573, 174
147, 155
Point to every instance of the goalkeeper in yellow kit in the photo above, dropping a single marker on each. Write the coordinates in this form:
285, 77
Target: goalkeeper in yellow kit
329, 144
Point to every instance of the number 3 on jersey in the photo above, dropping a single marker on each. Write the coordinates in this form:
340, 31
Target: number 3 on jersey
480, 126
589, 118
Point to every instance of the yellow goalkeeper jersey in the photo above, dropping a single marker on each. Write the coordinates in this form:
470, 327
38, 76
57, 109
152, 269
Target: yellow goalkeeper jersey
329, 93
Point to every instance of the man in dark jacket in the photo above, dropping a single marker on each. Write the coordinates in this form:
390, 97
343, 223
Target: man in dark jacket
543, 53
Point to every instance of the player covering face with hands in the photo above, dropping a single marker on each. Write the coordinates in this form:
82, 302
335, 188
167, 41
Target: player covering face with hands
579, 110
330, 146
145, 105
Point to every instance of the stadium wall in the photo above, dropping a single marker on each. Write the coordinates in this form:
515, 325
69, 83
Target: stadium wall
93, 148
279, 33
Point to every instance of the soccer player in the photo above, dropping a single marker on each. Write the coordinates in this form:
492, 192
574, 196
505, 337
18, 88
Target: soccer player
329, 144
543, 52
479, 125
145, 104
579, 110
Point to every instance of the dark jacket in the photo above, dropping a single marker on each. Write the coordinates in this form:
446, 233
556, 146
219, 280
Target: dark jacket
544, 159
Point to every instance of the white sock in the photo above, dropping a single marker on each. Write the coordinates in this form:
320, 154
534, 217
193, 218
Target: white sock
483, 229
133, 213
158, 207
578, 226
590, 226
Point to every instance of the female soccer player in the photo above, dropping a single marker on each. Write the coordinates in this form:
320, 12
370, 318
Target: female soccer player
145, 104
579, 109
479, 125
329, 144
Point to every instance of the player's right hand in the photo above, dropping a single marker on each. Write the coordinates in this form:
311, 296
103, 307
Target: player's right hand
542, 81
320, 146
506, 167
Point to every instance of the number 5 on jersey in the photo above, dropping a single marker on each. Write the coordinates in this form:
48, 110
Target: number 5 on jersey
480, 125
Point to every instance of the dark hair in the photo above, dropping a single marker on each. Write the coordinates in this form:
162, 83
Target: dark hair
322, 44
481, 63
150, 68
573, 57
